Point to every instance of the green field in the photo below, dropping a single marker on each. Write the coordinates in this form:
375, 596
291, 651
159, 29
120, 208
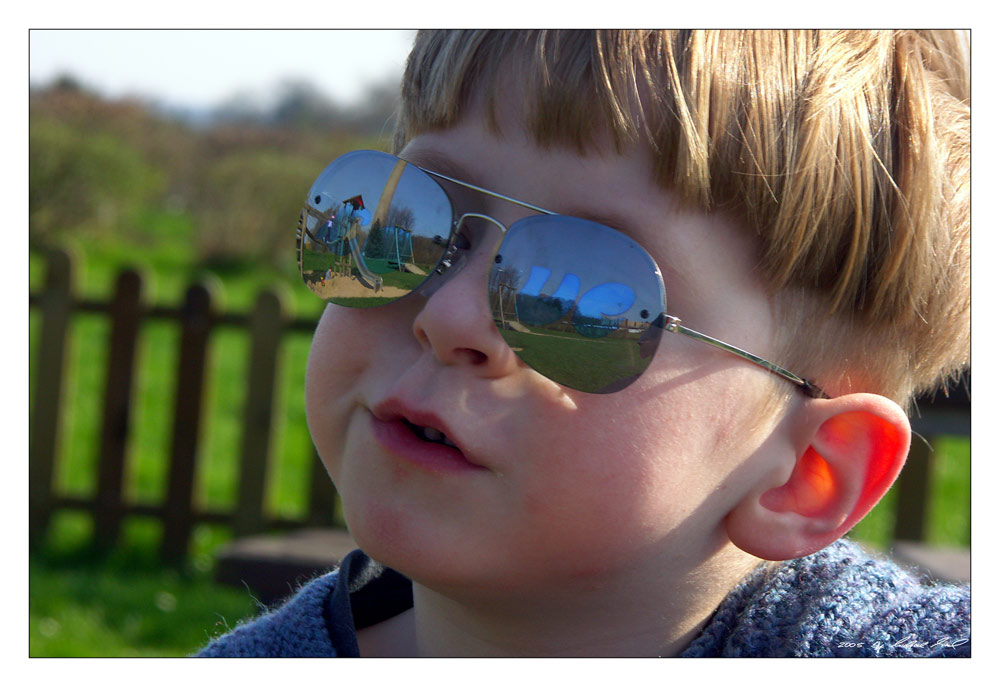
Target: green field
226, 387
319, 263
127, 603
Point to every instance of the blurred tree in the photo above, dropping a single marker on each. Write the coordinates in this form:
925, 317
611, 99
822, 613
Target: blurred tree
376, 115
95, 183
121, 169
247, 208
68, 83
301, 106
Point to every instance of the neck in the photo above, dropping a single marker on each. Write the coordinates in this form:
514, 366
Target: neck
622, 617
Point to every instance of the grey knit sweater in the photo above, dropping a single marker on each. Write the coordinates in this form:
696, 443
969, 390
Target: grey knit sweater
837, 602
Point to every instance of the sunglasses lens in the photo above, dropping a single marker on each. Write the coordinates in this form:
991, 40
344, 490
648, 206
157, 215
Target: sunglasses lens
372, 229
576, 301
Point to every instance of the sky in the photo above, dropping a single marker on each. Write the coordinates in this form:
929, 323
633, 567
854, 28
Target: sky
201, 68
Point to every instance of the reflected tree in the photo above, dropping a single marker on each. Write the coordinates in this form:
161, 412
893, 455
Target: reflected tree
401, 216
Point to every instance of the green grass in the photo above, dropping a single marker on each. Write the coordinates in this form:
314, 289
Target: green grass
125, 603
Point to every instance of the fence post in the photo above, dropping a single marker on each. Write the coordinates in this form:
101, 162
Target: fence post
322, 495
912, 487
55, 305
125, 311
265, 331
945, 412
196, 322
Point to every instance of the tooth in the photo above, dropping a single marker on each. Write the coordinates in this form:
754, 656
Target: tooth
432, 434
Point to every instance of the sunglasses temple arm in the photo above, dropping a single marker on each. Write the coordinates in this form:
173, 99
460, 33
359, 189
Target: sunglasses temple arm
672, 324
493, 194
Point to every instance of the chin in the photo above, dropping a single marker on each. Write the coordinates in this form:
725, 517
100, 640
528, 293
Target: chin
436, 558
398, 539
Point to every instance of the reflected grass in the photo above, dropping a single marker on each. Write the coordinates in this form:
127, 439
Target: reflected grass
589, 364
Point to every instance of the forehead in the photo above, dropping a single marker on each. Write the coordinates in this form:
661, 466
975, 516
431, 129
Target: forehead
704, 257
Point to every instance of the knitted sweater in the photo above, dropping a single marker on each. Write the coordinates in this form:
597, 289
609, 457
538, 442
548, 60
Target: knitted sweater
837, 602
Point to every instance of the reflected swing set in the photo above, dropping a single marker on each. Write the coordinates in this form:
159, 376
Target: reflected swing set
352, 253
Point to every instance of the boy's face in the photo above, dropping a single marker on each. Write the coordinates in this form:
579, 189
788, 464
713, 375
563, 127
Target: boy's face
562, 488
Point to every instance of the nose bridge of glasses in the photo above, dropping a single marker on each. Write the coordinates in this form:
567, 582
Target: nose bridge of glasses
477, 215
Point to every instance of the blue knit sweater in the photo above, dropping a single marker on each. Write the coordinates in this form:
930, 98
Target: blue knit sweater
837, 602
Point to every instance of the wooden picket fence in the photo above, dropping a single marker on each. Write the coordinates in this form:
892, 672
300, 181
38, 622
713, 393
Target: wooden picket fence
267, 324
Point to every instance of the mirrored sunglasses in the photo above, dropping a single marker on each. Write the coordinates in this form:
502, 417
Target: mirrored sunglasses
579, 302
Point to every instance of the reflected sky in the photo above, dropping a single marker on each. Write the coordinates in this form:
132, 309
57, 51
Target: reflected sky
605, 272
365, 174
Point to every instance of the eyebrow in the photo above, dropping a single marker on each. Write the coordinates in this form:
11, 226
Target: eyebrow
615, 222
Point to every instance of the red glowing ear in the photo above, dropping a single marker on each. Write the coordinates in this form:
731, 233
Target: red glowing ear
851, 460
810, 490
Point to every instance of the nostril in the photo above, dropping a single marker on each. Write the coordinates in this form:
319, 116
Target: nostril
471, 356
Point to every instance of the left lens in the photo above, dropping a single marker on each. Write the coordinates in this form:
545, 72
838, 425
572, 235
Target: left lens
372, 229
576, 301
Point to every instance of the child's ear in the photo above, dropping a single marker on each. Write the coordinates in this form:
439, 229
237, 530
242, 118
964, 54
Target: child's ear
848, 454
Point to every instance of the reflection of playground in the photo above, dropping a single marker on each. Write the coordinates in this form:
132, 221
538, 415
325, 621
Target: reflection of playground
352, 288
565, 335
518, 327
348, 252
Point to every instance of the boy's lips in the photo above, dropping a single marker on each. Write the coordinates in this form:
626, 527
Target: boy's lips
419, 436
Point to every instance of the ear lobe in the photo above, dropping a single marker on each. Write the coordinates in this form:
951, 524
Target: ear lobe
847, 464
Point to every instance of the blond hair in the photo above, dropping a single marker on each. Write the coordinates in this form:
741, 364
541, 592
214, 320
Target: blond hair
846, 152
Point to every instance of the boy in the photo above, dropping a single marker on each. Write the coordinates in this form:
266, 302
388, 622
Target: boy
540, 457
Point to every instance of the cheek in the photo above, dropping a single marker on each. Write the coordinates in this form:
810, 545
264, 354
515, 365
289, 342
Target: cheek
603, 496
638, 477
337, 359
336, 354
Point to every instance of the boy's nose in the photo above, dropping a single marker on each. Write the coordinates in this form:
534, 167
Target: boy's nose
456, 325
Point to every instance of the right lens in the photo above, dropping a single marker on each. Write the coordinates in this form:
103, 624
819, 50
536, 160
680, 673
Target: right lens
577, 301
372, 229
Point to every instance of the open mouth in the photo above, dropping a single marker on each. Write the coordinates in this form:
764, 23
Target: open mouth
429, 434
425, 446
418, 436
